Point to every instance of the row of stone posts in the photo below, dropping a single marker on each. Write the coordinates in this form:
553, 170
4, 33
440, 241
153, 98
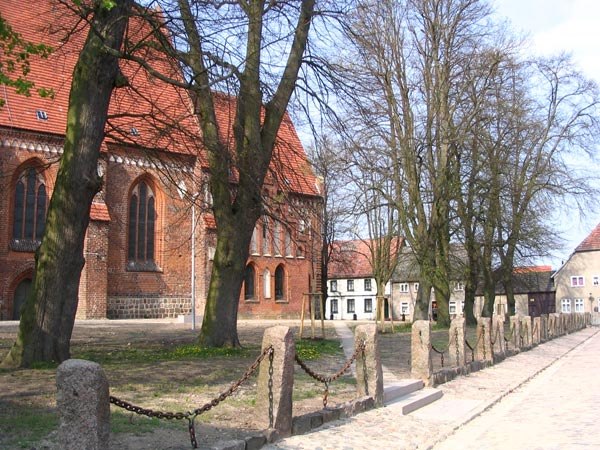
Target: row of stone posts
491, 343
83, 391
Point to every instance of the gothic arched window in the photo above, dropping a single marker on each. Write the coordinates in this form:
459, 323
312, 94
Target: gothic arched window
29, 218
249, 277
279, 283
141, 231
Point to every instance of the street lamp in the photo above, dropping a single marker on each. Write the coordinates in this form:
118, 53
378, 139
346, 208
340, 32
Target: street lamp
181, 188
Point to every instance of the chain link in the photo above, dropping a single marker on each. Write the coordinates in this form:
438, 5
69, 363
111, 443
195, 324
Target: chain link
483, 341
328, 379
191, 415
270, 386
457, 350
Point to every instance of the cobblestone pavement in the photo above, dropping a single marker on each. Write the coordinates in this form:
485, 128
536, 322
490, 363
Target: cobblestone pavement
558, 409
466, 398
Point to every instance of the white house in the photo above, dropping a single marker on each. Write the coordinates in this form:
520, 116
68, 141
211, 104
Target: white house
352, 292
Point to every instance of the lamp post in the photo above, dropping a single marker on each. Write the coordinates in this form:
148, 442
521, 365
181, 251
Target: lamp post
181, 188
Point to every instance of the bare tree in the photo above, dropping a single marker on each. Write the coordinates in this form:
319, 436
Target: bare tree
411, 59
48, 315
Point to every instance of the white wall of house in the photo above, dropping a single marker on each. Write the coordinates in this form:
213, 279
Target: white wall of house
352, 296
404, 296
501, 305
578, 283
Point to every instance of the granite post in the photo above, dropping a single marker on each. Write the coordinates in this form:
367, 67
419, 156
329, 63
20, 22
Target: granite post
537, 331
83, 406
498, 336
369, 374
483, 347
456, 341
282, 377
526, 331
421, 366
515, 326
544, 327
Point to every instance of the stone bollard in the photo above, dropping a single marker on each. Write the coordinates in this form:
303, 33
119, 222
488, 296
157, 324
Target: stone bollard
456, 341
282, 340
526, 331
421, 366
536, 331
544, 327
83, 406
498, 336
561, 327
369, 374
552, 324
483, 347
515, 325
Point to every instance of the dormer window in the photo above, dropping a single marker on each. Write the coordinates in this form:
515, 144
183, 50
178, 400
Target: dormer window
41, 114
134, 131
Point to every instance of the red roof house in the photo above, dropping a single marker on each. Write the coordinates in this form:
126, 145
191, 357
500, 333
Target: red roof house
138, 247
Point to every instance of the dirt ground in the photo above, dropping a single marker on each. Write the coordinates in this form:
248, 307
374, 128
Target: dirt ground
172, 386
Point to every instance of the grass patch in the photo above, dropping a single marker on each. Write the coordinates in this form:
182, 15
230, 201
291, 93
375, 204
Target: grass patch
26, 427
124, 422
308, 349
144, 355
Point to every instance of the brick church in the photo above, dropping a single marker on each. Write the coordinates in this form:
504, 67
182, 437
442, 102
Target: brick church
141, 249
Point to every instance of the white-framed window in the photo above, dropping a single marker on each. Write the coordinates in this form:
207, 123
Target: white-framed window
254, 242
288, 243
577, 281
565, 305
368, 305
416, 287
350, 285
277, 239
596, 280
459, 286
333, 285
452, 307
579, 305
334, 306
404, 308
403, 287
367, 284
267, 283
350, 305
265, 237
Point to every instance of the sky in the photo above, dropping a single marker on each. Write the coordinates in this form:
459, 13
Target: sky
554, 26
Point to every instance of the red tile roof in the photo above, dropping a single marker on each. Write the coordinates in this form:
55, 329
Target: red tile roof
591, 242
530, 269
161, 113
210, 222
99, 212
351, 259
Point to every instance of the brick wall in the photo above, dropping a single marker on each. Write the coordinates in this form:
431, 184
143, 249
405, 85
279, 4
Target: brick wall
18, 151
93, 283
147, 307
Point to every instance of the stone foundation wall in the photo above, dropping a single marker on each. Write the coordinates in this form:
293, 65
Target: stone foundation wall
147, 307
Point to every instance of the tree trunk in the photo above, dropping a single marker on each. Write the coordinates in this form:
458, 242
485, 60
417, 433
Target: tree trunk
219, 324
255, 134
48, 315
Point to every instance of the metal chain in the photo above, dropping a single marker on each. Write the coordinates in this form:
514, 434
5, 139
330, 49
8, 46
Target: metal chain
439, 352
483, 337
457, 351
472, 352
191, 415
270, 386
328, 379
